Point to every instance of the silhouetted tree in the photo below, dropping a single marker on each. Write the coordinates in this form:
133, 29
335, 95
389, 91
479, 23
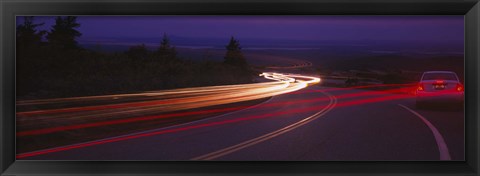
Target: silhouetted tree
47, 72
234, 54
63, 33
29, 55
166, 51
27, 34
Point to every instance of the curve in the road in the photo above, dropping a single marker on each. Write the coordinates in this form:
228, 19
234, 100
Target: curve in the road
251, 142
442, 145
288, 83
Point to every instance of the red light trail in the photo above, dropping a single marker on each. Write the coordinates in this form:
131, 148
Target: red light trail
286, 84
313, 108
146, 118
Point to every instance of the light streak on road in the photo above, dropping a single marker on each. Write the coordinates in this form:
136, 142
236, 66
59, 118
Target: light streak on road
139, 111
182, 114
154, 94
279, 78
178, 99
204, 125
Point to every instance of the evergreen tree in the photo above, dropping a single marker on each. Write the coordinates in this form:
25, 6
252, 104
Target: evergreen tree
234, 54
166, 51
63, 33
27, 34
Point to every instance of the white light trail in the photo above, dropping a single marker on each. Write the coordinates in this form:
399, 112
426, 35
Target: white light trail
165, 100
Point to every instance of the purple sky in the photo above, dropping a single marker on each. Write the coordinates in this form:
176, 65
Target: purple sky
409, 28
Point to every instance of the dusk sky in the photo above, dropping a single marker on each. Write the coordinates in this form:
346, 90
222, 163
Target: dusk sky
311, 28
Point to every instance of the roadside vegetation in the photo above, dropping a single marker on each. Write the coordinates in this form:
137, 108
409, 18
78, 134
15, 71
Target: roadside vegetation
51, 64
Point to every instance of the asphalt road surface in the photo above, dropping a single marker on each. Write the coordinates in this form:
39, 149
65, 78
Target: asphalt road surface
315, 123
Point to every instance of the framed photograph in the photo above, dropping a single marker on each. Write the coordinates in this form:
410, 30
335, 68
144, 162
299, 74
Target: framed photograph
240, 87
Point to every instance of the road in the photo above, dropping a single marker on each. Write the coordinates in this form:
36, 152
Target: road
314, 123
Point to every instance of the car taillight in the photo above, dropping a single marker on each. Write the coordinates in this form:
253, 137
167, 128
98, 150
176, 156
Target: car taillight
420, 87
459, 87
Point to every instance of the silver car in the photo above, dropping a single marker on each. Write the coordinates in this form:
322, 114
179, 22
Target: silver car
439, 87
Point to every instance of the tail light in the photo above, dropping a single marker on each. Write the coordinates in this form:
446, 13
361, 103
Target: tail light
459, 87
420, 87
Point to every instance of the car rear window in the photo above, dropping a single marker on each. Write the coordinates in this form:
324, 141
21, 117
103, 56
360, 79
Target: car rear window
439, 76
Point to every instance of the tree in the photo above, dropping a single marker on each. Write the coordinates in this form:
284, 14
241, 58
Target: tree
166, 51
64, 33
234, 54
27, 34
29, 54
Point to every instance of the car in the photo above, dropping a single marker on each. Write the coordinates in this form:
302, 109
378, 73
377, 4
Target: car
439, 87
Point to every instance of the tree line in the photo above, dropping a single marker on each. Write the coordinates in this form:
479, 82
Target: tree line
53, 64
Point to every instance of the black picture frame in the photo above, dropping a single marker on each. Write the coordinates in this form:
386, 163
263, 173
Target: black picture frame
10, 8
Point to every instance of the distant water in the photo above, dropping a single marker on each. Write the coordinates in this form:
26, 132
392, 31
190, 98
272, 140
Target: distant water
116, 46
418, 52
125, 46
384, 52
280, 48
